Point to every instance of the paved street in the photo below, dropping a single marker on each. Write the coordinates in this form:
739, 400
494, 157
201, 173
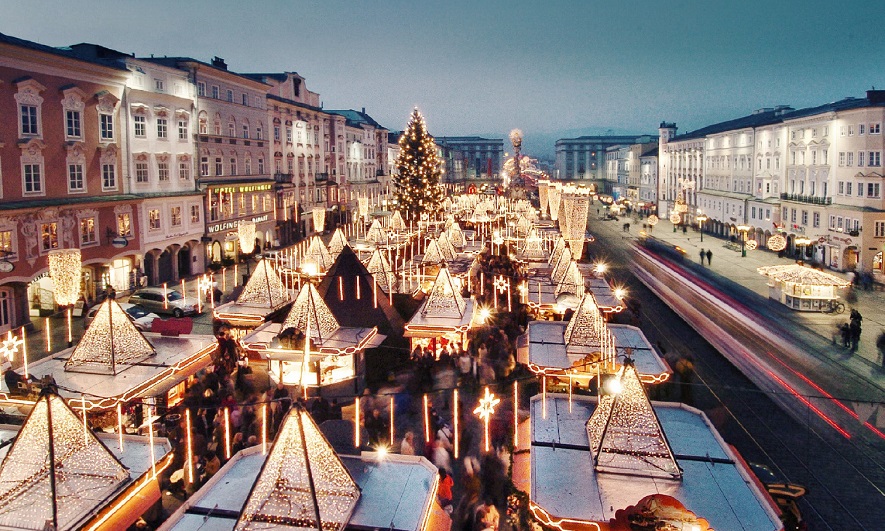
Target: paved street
842, 475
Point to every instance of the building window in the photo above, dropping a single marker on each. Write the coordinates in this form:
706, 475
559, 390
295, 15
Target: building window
195, 213
841, 158
184, 170
875, 128
248, 166
48, 236
260, 166
139, 121
204, 166
872, 189
816, 219
75, 178
231, 130
30, 123
230, 95
246, 100
233, 166
219, 170
259, 132
162, 128
154, 219
805, 217
160, 85
87, 231
215, 91
106, 127
875, 158
245, 130
860, 129
6, 244
848, 188
141, 172
175, 216
860, 158
72, 124
33, 179
201, 88
124, 225
109, 176
163, 171
182, 129
289, 135
879, 229
849, 158
859, 189
793, 215
276, 133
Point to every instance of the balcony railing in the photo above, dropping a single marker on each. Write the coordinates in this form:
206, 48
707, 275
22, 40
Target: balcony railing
810, 199
321, 177
281, 177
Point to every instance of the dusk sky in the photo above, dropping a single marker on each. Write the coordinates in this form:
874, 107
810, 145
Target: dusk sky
483, 67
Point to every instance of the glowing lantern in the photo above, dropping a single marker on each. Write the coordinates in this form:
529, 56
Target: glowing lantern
246, 235
64, 269
777, 243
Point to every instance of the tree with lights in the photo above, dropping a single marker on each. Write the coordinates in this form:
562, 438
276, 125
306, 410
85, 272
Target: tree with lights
418, 170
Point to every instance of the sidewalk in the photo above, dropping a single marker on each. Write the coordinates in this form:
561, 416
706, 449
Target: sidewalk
728, 265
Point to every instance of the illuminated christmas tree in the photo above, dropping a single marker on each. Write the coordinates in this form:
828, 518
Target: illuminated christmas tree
418, 170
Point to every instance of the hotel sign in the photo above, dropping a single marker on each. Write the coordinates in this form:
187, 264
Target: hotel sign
232, 224
242, 189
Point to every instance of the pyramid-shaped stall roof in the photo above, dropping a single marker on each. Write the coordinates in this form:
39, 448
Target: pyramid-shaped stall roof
303, 484
572, 281
432, 253
337, 243
310, 308
56, 474
445, 246
444, 299
376, 233
110, 344
265, 288
397, 223
534, 247
318, 254
560, 267
379, 266
625, 434
558, 249
586, 326
456, 235
366, 311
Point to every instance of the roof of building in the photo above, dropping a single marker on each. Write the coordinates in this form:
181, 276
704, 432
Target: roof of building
66, 51
221, 67
606, 139
466, 139
274, 97
356, 118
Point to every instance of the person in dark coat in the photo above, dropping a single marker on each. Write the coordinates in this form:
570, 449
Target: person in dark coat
709, 257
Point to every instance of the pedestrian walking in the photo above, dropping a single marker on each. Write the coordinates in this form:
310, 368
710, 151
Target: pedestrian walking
854, 327
709, 257
880, 345
703, 254
845, 331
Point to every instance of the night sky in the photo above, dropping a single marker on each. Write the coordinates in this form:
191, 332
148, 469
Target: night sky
551, 68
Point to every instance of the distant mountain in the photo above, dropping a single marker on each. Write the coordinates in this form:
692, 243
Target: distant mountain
542, 145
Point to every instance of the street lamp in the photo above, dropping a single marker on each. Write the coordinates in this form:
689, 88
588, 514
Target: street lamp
701, 219
802, 242
743, 230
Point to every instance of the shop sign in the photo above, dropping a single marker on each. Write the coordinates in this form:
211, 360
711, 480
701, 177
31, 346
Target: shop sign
6, 267
846, 241
232, 224
119, 243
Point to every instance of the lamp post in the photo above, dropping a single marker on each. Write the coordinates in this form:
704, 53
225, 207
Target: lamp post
701, 219
743, 230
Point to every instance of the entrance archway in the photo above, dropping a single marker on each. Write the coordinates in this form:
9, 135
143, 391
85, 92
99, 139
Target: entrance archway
850, 258
184, 262
164, 267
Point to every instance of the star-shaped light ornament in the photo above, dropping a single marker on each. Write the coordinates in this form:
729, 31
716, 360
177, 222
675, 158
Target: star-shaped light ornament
500, 284
9, 346
485, 410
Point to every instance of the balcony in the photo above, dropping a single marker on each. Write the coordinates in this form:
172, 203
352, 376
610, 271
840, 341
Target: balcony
281, 177
321, 177
810, 199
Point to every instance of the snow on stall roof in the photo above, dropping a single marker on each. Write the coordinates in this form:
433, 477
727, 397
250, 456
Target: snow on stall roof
565, 484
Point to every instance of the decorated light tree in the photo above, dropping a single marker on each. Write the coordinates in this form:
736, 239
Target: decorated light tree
418, 170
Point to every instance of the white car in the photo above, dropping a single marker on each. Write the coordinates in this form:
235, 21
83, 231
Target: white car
140, 317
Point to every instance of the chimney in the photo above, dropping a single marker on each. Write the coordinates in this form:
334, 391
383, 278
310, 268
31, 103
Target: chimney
364, 110
876, 96
218, 62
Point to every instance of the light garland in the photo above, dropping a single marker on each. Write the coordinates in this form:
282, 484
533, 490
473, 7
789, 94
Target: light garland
64, 270
652, 220
543, 197
554, 195
397, 223
318, 254
246, 236
319, 219
363, 204
675, 218
777, 243
337, 243
310, 307
265, 288
376, 233
800, 274
751, 245
110, 341
444, 300
419, 169
380, 269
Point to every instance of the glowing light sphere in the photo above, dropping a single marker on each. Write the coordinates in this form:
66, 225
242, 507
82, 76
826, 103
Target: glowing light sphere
64, 269
751, 244
777, 243
246, 235
675, 218
652, 220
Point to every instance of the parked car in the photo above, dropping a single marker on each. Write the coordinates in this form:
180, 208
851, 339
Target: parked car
174, 303
139, 316
786, 495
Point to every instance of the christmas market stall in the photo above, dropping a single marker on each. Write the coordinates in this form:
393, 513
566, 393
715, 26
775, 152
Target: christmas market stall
802, 288
302, 483
263, 297
585, 346
619, 462
56, 474
114, 364
444, 316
